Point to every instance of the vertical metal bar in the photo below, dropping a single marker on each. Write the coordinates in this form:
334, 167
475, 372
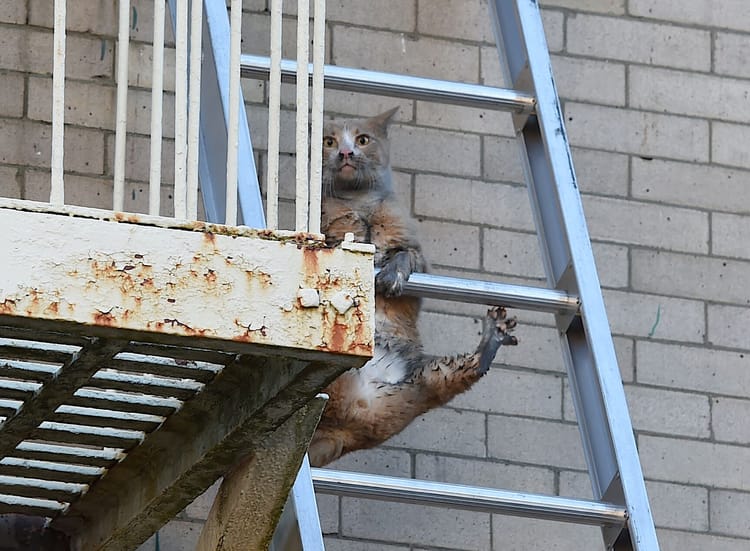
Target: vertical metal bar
180, 110
303, 54
305, 507
57, 189
234, 110
595, 381
196, 35
274, 116
121, 121
316, 138
157, 95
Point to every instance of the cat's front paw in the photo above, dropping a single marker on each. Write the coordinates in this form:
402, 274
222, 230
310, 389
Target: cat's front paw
393, 275
496, 332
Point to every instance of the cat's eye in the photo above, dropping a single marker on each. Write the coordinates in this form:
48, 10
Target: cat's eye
329, 141
363, 139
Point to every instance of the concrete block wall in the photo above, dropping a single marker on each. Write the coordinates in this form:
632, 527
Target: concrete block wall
655, 100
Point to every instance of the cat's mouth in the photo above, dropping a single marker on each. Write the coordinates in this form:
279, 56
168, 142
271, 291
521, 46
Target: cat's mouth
347, 169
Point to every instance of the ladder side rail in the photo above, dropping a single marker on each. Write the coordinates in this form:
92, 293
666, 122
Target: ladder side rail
214, 121
597, 390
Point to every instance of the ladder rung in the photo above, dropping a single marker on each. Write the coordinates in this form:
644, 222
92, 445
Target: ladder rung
487, 292
471, 498
400, 86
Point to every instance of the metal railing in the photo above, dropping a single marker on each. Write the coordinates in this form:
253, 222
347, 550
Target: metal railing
208, 72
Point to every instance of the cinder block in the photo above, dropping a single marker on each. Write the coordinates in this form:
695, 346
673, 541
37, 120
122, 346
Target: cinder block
464, 119
554, 29
589, 80
662, 411
86, 103
449, 244
601, 172
632, 223
525, 534
382, 461
727, 326
701, 463
415, 524
647, 316
637, 132
328, 513
690, 541
538, 348
340, 104
733, 14
685, 184
12, 87
638, 41
599, 6
487, 474
13, 12
447, 431
690, 276
455, 19
29, 143
538, 442
81, 16
385, 14
515, 393
732, 54
405, 54
137, 158
79, 190
502, 160
668, 412
512, 253
729, 513
728, 233
429, 150
693, 368
140, 66
693, 94
727, 144
728, 420
11, 179
612, 264
336, 544
493, 204
447, 335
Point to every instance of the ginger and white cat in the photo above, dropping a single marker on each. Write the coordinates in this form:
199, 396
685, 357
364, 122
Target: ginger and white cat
370, 404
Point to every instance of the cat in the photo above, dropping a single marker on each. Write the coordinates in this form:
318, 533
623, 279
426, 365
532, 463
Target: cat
370, 404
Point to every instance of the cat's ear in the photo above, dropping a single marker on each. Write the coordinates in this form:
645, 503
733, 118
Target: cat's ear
384, 119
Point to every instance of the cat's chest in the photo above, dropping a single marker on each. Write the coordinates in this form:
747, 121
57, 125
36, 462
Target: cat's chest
386, 366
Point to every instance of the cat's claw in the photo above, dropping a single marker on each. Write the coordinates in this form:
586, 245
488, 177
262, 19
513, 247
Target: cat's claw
496, 332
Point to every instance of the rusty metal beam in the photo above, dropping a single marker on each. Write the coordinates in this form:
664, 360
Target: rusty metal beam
252, 495
246, 402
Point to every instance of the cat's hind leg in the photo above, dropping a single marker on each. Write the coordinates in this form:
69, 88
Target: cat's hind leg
449, 376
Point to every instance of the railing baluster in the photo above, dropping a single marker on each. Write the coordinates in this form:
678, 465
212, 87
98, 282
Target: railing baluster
157, 100
196, 34
121, 121
180, 110
303, 39
274, 115
57, 188
234, 110
316, 137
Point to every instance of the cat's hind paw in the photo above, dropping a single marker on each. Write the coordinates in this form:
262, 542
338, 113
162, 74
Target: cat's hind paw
496, 332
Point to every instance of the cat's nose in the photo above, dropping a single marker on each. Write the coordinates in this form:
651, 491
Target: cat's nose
344, 154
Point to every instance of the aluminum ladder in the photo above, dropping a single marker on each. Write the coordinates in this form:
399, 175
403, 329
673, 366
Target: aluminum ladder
620, 506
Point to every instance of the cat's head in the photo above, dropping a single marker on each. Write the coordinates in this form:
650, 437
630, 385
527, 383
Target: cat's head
356, 155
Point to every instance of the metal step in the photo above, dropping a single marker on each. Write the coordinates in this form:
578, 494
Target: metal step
470, 498
398, 86
487, 292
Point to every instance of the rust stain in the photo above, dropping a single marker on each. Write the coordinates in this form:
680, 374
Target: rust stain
8, 306
310, 259
104, 318
52, 308
260, 276
127, 217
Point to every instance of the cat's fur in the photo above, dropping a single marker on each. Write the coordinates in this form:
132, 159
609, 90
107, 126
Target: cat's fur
370, 404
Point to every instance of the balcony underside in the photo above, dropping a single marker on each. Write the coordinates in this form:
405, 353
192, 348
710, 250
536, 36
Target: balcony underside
160, 356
